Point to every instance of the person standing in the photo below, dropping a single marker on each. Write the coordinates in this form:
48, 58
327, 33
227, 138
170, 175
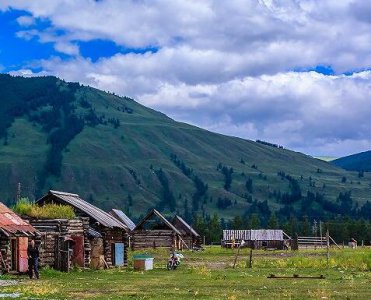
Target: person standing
33, 259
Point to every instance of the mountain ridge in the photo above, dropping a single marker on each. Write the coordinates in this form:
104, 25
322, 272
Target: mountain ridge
355, 162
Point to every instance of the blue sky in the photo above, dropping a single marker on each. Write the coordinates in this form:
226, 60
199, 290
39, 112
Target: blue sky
290, 72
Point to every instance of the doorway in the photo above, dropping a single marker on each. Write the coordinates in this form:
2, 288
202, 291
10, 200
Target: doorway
117, 254
14, 251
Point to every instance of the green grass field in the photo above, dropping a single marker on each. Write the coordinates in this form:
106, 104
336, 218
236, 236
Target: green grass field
209, 275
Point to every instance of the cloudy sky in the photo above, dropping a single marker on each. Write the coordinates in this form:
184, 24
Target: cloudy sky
292, 72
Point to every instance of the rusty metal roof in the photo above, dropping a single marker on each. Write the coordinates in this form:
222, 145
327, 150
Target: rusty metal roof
92, 211
120, 215
11, 223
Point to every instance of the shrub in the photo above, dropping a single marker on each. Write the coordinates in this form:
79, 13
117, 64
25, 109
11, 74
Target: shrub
47, 211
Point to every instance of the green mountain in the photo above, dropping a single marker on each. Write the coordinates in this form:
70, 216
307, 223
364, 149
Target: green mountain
355, 162
115, 152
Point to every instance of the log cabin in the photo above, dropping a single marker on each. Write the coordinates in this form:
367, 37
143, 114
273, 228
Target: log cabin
156, 231
106, 237
190, 236
15, 234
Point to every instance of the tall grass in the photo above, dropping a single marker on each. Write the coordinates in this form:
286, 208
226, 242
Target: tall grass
346, 259
47, 211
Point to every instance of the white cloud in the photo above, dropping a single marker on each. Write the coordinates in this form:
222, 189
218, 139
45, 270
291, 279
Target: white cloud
67, 48
271, 36
26, 21
225, 65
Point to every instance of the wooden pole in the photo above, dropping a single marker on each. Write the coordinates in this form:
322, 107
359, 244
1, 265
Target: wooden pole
235, 258
328, 246
320, 231
250, 259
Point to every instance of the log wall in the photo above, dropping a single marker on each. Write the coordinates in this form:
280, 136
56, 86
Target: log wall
6, 253
142, 239
53, 229
111, 236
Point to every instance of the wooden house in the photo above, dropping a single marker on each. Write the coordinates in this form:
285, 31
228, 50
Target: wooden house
106, 237
14, 236
255, 238
63, 243
190, 236
156, 231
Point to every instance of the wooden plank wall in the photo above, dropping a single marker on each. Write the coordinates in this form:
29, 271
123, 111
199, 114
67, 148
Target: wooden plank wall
52, 229
114, 235
254, 234
142, 239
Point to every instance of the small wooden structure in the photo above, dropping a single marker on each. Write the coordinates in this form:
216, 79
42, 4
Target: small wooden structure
63, 243
123, 218
190, 236
256, 238
108, 237
156, 231
14, 236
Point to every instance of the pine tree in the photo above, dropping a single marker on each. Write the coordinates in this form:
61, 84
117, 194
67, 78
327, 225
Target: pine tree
273, 222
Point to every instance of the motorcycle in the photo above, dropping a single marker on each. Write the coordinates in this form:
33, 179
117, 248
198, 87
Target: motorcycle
174, 261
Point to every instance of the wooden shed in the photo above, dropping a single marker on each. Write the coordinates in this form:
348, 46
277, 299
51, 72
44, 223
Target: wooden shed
108, 237
156, 231
255, 238
63, 243
14, 236
190, 236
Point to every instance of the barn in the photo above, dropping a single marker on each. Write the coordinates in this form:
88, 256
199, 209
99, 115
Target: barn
156, 231
14, 236
105, 236
190, 236
255, 238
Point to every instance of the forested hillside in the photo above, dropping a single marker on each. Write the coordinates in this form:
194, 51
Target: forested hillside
115, 152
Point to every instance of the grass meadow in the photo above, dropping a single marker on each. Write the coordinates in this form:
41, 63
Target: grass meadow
210, 274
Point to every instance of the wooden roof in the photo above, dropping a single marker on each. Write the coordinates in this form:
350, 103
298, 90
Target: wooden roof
122, 217
185, 226
12, 224
92, 211
155, 212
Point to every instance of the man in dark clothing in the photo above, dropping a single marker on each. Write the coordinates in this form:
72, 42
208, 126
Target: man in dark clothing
33, 260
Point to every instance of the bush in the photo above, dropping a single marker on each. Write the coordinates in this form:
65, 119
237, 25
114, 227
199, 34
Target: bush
47, 211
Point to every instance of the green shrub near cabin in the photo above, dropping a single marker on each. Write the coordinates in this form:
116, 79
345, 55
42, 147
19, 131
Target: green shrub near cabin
47, 211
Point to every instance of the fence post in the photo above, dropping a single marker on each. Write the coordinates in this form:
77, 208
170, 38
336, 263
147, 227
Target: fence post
250, 259
235, 259
328, 246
